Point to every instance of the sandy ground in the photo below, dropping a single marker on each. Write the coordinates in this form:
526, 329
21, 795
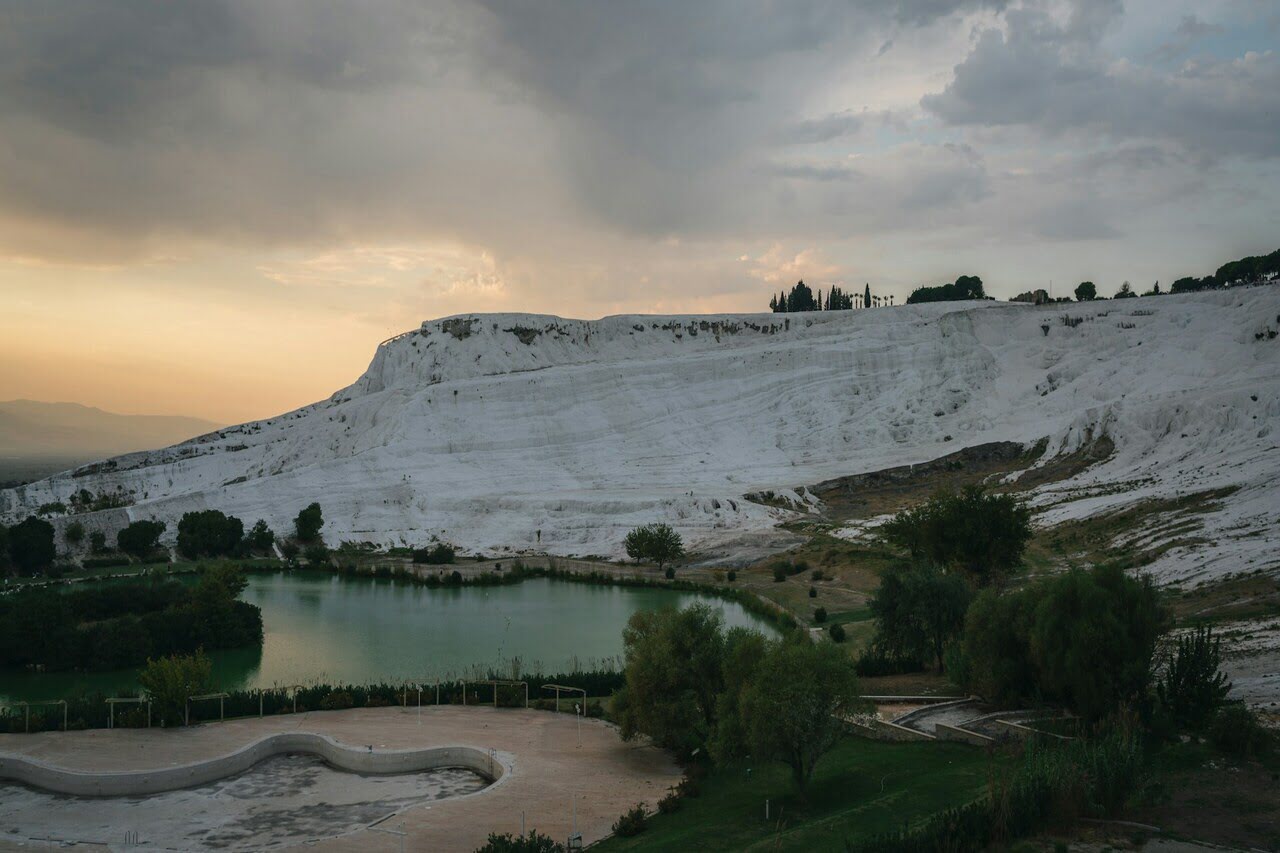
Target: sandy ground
604, 775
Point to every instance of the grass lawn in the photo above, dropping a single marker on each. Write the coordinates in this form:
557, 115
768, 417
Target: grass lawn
859, 789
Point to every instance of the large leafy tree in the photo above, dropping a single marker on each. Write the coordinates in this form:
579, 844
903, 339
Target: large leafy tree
674, 676
1094, 639
981, 534
918, 611
1084, 638
743, 651
140, 537
308, 523
657, 543
996, 646
209, 533
794, 707
31, 546
1086, 291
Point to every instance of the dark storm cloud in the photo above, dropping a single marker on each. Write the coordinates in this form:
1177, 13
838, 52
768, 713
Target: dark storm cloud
1056, 78
515, 125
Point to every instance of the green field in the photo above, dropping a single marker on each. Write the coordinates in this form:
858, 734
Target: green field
860, 789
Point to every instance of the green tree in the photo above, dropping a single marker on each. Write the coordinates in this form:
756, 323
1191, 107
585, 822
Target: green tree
260, 538
209, 533
657, 543
1094, 639
1086, 291
140, 537
1125, 292
982, 534
996, 646
308, 523
743, 651
170, 681
1083, 638
31, 546
965, 287
674, 676
795, 705
917, 612
98, 542
801, 298
73, 533
317, 555
1191, 686
222, 580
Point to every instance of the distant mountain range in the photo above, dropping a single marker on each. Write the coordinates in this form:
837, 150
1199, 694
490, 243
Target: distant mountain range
37, 438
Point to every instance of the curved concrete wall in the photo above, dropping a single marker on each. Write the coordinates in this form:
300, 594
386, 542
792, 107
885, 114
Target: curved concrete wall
80, 783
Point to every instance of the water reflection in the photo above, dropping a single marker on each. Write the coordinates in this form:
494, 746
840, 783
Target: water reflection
325, 628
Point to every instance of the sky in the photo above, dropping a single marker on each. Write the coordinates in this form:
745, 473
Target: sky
219, 209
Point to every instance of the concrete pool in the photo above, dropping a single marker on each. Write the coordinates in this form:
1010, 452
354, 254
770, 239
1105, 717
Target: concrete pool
281, 801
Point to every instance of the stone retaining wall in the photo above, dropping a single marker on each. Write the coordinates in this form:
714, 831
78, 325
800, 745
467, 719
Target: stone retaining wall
38, 774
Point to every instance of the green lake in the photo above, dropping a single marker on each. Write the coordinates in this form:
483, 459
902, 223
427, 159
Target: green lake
325, 628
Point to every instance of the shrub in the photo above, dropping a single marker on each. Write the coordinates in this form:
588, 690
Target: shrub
874, 662
669, 804
73, 533
1191, 686
439, 554
631, 823
534, 842
455, 578
317, 554
820, 615
690, 786
717, 575
1236, 731
669, 574
813, 592
1055, 783
732, 576
170, 680
98, 542
817, 575
336, 701
799, 567
837, 634
779, 573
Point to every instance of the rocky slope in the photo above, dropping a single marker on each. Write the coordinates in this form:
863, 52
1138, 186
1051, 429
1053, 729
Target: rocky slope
528, 432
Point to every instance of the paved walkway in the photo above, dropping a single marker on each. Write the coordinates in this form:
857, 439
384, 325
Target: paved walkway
604, 774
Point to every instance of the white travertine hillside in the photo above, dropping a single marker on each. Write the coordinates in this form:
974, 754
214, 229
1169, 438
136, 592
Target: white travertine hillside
528, 432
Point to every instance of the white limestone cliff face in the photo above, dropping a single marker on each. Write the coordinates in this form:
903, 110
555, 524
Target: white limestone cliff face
531, 432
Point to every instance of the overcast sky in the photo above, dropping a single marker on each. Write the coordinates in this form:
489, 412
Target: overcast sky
219, 208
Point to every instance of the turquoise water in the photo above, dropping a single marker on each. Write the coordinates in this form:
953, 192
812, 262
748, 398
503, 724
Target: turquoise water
326, 628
